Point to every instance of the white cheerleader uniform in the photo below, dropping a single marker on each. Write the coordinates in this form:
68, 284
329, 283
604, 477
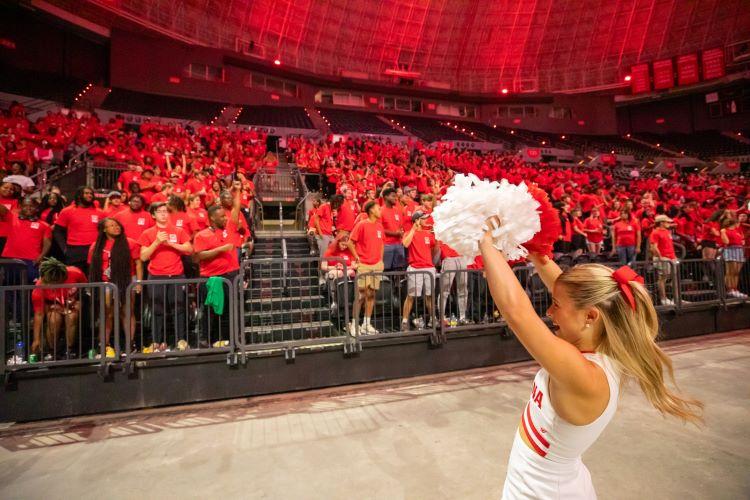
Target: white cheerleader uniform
545, 462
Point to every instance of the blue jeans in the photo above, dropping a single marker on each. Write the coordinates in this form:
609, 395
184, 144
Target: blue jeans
626, 255
394, 257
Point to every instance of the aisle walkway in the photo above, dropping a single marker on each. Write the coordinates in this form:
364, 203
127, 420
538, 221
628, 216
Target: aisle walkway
434, 437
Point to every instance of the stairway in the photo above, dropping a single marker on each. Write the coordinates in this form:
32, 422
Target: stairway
283, 299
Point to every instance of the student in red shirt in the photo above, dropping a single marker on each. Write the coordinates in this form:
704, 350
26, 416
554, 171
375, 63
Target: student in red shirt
626, 238
366, 243
323, 226
578, 240
76, 228
236, 224
347, 212
593, 226
134, 219
733, 253
337, 252
423, 250
215, 253
56, 307
663, 254
113, 203
197, 212
710, 239
115, 258
8, 203
163, 246
29, 238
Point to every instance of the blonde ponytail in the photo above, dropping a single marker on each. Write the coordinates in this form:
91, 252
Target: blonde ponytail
629, 336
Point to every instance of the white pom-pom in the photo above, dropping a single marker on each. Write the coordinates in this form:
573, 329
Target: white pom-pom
460, 220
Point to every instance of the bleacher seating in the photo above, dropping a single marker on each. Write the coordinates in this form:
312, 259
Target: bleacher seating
128, 101
608, 143
346, 121
275, 116
428, 129
705, 145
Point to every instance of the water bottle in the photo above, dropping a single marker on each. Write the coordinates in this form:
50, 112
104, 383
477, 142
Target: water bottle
21, 349
453, 321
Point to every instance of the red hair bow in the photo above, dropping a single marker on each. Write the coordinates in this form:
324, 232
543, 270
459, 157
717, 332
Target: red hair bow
623, 277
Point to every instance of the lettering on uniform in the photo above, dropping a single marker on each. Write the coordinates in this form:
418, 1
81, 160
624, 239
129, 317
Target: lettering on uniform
224, 233
380, 236
34, 225
94, 218
179, 223
141, 221
173, 238
536, 395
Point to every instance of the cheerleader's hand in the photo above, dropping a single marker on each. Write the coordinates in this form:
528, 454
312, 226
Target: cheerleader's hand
491, 224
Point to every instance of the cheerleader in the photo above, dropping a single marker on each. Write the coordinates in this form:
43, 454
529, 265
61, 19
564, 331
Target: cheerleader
603, 332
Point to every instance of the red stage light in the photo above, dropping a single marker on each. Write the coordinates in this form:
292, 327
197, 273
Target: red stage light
504, 91
581, 123
174, 79
660, 120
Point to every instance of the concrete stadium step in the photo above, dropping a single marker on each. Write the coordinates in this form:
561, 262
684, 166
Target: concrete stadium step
275, 292
277, 281
265, 305
278, 333
288, 317
292, 270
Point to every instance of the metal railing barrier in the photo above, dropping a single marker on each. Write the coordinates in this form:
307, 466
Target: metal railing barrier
66, 324
180, 317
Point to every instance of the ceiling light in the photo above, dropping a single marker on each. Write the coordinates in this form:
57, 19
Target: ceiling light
504, 91
277, 62
627, 78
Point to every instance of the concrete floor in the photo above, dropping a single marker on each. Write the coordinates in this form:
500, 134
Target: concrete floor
435, 437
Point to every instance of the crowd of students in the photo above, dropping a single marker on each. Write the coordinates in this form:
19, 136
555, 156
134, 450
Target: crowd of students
601, 218
185, 199
183, 207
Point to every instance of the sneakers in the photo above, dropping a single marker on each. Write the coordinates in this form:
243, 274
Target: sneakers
418, 323
109, 352
404, 325
736, 294
667, 302
368, 328
353, 328
182, 345
464, 321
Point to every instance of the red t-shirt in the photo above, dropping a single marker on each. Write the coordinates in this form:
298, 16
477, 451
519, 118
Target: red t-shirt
447, 252
735, 236
420, 249
225, 262
408, 210
11, 204
25, 238
165, 261
662, 238
59, 295
625, 233
347, 213
184, 221
199, 217
594, 229
134, 223
237, 233
711, 232
392, 220
369, 238
325, 219
135, 253
81, 224
334, 251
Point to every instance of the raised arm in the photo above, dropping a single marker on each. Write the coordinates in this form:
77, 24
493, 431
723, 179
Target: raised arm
547, 268
561, 359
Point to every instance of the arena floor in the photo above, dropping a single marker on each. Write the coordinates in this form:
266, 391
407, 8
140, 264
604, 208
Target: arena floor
434, 437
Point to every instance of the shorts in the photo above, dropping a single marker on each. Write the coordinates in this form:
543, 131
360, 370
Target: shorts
373, 281
663, 266
734, 254
578, 242
420, 280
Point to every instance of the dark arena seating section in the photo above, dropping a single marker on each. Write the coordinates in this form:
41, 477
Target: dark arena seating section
140, 103
429, 129
703, 145
275, 116
40, 85
343, 121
